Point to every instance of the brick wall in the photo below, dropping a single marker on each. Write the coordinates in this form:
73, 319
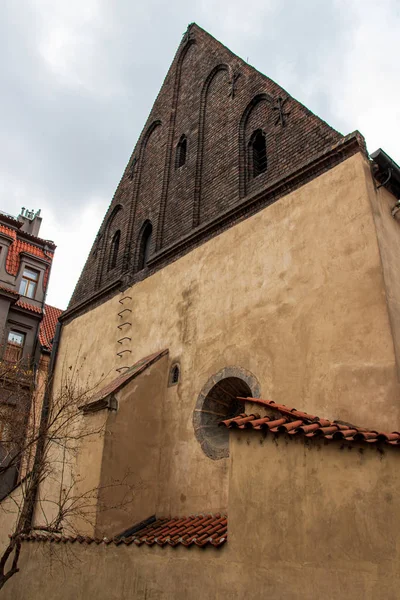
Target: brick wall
217, 101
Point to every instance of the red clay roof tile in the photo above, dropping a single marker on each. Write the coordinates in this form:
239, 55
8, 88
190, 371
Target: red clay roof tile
48, 326
201, 530
19, 245
27, 306
295, 422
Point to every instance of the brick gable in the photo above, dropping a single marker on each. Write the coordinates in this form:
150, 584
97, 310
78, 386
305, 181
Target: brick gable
217, 101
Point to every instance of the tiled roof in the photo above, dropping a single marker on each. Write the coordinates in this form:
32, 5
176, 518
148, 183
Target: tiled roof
199, 530
9, 290
295, 422
19, 245
133, 371
27, 306
48, 326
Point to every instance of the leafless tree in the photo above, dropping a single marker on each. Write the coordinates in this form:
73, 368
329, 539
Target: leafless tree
41, 432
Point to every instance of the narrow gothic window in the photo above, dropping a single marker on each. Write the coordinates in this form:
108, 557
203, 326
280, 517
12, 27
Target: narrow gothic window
258, 153
181, 149
144, 249
112, 260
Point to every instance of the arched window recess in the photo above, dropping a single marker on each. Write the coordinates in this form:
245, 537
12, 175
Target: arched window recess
144, 245
181, 151
114, 248
257, 153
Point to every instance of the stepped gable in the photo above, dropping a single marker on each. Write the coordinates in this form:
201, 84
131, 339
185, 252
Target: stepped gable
189, 176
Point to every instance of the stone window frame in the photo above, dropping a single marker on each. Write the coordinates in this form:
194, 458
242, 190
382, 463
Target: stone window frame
200, 432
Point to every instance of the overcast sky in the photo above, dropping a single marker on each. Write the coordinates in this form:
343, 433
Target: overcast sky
80, 77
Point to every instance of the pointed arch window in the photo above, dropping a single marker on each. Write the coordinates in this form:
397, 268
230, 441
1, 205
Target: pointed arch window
181, 151
144, 247
113, 256
258, 153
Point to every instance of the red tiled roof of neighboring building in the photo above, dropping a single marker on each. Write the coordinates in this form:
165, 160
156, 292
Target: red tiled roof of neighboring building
123, 379
27, 306
48, 326
9, 290
19, 245
199, 530
295, 422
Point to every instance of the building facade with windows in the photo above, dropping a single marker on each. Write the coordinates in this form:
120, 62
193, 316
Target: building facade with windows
25, 263
249, 263
27, 326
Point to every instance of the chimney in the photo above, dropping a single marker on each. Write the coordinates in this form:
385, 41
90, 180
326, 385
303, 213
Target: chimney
30, 220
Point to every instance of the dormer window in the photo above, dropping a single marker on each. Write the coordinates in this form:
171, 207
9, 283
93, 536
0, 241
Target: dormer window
181, 149
29, 283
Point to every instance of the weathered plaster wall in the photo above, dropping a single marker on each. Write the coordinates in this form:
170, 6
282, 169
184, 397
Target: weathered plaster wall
307, 519
388, 234
8, 515
318, 514
130, 475
294, 294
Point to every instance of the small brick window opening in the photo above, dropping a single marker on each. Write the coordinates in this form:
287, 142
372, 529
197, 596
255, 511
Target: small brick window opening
258, 153
113, 256
181, 150
174, 375
144, 245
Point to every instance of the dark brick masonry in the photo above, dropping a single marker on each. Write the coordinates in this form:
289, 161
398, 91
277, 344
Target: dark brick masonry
217, 101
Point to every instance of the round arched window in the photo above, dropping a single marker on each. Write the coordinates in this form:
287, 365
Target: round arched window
218, 401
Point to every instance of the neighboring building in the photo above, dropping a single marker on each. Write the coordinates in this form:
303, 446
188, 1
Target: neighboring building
25, 263
27, 326
250, 252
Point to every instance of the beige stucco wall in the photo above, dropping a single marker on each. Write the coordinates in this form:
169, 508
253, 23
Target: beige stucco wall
9, 512
294, 294
307, 519
130, 477
388, 234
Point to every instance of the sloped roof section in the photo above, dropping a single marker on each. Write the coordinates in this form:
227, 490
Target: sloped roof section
196, 530
295, 422
96, 402
28, 306
48, 326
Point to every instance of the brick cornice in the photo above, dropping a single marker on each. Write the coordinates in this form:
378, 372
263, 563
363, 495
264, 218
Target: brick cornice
278, 188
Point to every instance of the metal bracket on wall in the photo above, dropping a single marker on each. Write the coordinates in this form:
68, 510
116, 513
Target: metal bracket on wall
124, 338
121, 369
123, 311
123, 299
122, 352
123, 324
